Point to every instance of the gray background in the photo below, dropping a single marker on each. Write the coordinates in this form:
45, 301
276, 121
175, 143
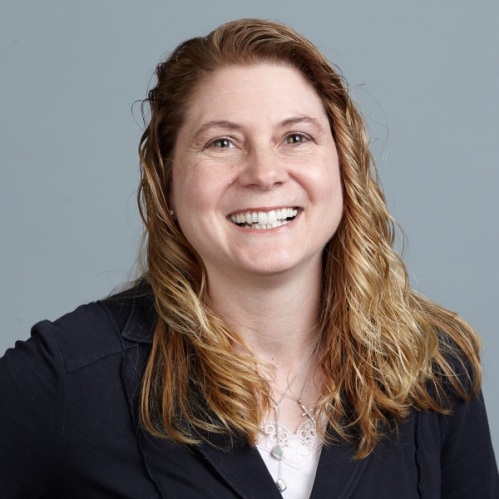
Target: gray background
425, 74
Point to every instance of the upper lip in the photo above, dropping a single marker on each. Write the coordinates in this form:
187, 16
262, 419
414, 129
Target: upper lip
265, 210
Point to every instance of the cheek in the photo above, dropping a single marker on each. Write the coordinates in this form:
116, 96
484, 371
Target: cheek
191, 190
203, 186
190, 205
327, 181
330, 196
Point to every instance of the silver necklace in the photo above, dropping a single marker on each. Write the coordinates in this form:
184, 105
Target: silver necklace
277, 451
306, 412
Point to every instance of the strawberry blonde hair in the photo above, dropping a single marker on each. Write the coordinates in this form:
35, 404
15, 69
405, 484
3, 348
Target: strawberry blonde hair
387, 350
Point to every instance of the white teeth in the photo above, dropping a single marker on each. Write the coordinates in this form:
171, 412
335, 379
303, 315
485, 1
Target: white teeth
272, 217
262, 218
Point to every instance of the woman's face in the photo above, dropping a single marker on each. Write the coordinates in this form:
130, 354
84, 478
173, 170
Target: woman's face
256, 180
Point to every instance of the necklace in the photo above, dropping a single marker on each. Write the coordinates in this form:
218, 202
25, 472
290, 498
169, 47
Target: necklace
277, 450
306, 412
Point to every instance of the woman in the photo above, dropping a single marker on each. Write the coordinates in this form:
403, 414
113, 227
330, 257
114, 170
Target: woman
273, 345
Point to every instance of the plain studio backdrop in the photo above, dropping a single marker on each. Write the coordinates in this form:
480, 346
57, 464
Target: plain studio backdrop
424, 73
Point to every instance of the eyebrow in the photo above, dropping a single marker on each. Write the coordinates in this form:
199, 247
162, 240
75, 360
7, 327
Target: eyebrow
229, 125
301, 119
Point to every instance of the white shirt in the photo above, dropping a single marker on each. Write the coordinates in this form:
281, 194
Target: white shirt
301, 452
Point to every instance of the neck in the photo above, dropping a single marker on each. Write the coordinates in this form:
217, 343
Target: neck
276, 315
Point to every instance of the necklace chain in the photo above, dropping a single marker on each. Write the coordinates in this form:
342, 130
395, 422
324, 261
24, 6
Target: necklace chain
277, 451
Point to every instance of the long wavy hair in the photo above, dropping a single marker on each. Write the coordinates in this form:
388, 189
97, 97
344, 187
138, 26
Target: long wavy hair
386, 349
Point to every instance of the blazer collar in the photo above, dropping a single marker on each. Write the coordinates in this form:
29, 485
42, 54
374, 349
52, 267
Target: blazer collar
141, 320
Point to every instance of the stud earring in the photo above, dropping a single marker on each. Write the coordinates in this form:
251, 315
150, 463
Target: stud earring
171, 212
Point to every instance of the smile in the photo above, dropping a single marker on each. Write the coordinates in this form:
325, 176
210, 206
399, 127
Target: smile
264, 219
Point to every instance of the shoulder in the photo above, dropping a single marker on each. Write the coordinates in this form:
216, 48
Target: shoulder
53, 385
101, 329
457, 367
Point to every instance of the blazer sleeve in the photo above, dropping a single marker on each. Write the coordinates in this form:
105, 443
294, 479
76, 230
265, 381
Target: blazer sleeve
32, 402
468, 465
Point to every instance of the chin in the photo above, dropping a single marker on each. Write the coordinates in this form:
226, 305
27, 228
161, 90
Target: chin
271, 266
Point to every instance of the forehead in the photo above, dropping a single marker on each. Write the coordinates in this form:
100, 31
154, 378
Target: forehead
261, 90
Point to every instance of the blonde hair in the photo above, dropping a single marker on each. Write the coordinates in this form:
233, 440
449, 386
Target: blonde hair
387, 350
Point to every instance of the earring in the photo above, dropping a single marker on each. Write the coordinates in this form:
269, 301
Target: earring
171, 212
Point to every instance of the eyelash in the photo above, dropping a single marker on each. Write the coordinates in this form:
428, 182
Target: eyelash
303, 137
223, 139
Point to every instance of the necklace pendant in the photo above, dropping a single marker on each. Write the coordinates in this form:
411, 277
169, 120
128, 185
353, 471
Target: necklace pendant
281, 485
277, 452
306, 411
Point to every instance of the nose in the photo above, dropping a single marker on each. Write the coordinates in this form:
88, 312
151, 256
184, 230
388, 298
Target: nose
264, 169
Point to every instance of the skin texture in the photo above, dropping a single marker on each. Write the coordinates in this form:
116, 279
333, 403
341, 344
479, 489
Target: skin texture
255, 160
257, 138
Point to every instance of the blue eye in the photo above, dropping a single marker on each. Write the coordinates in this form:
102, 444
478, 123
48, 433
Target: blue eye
295, 138
222, 144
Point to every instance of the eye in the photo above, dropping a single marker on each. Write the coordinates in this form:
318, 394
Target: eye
296, 138
222, 144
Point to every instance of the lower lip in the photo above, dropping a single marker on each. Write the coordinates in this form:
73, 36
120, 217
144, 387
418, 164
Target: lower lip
266, 231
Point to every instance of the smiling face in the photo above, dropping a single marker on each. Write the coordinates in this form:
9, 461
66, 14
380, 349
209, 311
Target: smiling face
256, 180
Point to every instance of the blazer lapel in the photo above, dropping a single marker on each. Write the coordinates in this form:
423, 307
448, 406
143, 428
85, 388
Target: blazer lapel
338, 473
241, 467
244, 470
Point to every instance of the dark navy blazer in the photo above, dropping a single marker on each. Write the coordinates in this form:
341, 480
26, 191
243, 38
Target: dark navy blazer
69, 429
